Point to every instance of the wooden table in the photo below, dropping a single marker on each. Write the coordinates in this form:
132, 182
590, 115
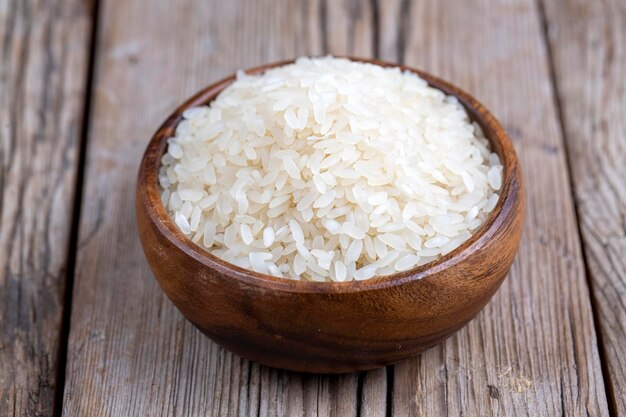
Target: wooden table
84, 328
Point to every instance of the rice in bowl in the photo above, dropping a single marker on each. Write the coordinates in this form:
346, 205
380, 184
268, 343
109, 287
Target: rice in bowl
329, 170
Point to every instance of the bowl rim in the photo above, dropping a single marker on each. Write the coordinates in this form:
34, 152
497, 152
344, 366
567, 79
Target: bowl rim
149, 195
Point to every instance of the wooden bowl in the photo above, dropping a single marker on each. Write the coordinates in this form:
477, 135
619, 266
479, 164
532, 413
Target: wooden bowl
331, 327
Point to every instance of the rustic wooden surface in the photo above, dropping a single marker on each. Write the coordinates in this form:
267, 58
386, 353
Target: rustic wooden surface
591, 38
552, 73
44, 49
533, 352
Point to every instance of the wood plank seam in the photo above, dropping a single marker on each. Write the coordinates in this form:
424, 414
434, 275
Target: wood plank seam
77, 199
444, 378
611, 394
42, 85
521, 16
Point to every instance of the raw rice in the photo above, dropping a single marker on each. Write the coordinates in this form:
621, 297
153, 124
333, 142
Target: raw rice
329, 170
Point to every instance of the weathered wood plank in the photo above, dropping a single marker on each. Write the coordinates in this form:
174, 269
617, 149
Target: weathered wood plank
532, 351
44, 55
588, 42
130, 352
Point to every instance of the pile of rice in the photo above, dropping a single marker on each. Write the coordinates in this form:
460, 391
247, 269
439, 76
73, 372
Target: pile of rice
329, 170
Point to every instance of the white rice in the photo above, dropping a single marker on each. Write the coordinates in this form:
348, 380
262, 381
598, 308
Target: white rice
329, 170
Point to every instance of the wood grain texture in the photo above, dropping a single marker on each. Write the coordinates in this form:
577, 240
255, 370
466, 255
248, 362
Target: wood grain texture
44, 49
532, 351
588, 44
130, 352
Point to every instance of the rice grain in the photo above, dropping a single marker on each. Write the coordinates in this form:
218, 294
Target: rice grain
328, 169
